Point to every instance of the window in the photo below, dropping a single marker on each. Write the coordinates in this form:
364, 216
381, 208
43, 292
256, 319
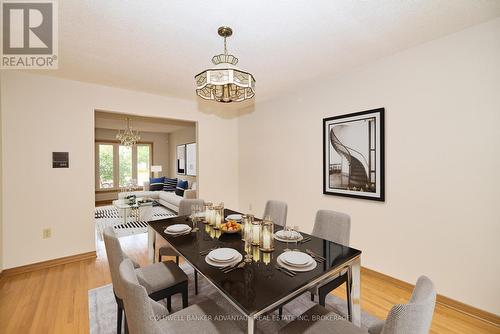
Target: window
125, 165
143, 163
105, 166
119, 166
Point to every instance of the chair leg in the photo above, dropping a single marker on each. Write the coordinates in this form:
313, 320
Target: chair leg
126, 323
195, 282
177, 259
169, 304
119, 319
348, 291
322, 297
185, 298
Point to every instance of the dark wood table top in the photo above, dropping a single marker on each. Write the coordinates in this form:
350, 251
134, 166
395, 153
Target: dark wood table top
259, 284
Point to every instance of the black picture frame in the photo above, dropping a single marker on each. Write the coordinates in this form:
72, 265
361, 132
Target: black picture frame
353, 166
181, 159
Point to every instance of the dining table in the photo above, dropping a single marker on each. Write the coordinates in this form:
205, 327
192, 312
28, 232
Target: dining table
260, 287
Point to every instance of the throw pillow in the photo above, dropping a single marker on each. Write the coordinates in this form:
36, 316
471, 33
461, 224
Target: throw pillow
169, 184
156, 183
181, 186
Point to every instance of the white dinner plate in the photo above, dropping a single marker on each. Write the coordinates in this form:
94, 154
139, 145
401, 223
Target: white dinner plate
224, 261
293, 268
279, 236
238, 258
296, 258
235, 216
297, 265
222, 254
177, 228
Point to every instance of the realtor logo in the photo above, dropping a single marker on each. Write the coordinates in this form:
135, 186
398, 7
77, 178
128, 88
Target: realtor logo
29, 35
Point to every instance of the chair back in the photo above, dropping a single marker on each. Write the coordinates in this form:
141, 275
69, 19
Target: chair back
115, 257
186, 206
416, 316
333, 226
277, 211
138, 309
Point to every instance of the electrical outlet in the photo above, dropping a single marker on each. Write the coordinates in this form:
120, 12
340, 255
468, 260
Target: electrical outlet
46, 233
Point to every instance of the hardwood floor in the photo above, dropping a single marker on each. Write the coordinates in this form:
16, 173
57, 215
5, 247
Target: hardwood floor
54, 300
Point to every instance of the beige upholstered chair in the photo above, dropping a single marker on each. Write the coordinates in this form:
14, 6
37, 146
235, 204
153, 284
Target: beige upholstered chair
185, 209
415, 317
161, 280
146, 316
335, 227
277, 211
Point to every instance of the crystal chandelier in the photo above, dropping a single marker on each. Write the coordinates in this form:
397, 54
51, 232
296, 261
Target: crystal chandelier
225, 83
128, 137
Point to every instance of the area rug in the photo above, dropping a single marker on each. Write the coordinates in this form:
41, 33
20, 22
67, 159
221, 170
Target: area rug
102, 307
110, 216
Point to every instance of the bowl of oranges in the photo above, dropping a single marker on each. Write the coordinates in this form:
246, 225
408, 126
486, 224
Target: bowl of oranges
230, 227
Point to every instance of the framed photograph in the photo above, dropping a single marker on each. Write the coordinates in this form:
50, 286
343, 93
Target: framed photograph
353, 155
191, 159
181, 159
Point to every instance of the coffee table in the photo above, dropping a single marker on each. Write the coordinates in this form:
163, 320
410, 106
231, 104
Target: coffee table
125, 207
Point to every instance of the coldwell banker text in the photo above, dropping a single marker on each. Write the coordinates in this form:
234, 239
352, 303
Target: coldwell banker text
29, 35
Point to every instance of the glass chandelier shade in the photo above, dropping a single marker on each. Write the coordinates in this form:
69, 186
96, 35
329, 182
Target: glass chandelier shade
225, 82
128, 137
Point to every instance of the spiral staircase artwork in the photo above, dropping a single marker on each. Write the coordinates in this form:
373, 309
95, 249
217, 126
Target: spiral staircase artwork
358, 176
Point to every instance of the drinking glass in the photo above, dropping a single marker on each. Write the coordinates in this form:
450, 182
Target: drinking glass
296, 228
287, 234
195, 213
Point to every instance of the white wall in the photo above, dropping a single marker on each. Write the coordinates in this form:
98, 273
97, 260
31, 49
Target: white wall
42, 114
441, 215
1, 183
179, 137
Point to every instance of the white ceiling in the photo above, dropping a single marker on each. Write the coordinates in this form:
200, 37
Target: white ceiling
158, 46
116, 121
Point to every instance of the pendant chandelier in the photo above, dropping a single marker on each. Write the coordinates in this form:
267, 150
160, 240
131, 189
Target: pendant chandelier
128, 137
225, 83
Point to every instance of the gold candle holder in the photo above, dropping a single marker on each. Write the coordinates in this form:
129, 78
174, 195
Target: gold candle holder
256, 230
255, 253
266, 258
266, 236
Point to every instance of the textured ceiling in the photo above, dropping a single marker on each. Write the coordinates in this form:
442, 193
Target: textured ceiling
158, 46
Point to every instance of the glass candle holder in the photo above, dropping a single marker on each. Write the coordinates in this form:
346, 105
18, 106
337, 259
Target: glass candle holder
266, 236
211, 215
246, 228
218, 216
256, 229
207, 206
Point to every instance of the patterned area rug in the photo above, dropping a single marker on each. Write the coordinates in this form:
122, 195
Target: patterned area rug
110, 216
102, 307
